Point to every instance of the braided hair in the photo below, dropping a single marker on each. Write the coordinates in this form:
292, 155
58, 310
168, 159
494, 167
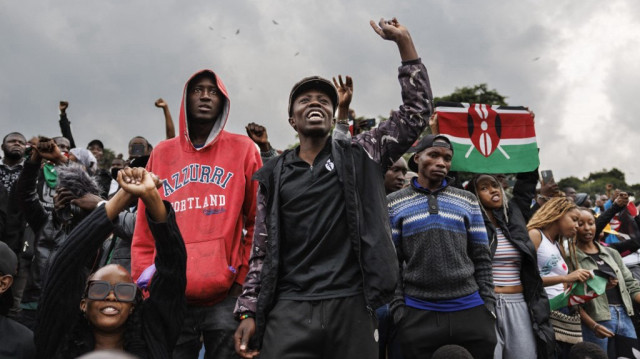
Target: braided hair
550, 212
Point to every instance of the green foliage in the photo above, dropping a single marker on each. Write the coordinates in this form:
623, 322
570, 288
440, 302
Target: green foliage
107, 157
596, 182
599, 185
614, 173
572, 181
475, 94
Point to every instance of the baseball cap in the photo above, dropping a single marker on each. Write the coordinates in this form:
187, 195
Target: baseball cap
313, 83
427, 142
8, 260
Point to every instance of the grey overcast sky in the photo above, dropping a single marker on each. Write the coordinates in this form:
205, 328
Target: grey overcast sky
575, 63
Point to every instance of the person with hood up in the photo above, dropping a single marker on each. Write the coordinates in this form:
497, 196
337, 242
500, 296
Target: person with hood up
85, 158
206, 174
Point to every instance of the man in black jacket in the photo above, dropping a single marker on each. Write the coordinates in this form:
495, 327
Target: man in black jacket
313, 286
17, 340
76, 195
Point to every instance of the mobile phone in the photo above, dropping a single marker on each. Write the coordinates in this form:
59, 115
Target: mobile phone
367, 123
605, 273
547, 176
137, 149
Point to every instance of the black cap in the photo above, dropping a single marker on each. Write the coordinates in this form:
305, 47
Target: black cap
427, 142
314, 83
581, 198
8, 260
96, 142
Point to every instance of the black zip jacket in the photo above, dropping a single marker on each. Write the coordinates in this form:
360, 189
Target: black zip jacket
533, 290
161, 314
360, 164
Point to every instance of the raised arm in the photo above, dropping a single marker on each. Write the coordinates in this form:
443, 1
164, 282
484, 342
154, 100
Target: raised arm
166, 302
65, 125
168, 121
258, 134
618, 204
34, 213
66, 279
392, 138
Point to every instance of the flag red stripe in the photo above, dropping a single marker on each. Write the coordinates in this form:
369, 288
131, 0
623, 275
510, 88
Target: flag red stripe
513, 125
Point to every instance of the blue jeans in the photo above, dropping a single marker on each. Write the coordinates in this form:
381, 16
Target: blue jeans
620, 324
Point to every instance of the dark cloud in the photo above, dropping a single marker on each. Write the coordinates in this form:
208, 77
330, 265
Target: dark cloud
111, 60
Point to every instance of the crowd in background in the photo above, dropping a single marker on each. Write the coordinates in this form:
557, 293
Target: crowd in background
359, 242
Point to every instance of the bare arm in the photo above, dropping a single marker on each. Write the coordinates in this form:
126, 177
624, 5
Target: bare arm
168, 121
577, 275
599, 330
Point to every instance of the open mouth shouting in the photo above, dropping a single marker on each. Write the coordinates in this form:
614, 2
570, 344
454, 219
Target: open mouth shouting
109, 310
315, 116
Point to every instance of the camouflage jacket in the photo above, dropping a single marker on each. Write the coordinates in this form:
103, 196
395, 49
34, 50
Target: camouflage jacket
361, 162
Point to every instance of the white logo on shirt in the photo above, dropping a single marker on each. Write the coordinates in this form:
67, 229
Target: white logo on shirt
329, 165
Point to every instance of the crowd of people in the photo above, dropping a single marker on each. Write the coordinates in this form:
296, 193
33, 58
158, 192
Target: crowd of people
354, 244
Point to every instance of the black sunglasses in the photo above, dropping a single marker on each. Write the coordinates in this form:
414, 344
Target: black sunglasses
100, 289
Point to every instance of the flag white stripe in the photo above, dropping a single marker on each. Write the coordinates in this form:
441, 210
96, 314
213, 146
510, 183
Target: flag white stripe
465, 110
503, 141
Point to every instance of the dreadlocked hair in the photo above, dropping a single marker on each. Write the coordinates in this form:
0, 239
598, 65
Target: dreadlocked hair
75, 179
550, 212
472, 187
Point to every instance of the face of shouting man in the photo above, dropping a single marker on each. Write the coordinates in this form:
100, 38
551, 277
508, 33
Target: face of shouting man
312, 114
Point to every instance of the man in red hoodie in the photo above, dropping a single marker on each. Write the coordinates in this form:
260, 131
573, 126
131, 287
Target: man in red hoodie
206, 174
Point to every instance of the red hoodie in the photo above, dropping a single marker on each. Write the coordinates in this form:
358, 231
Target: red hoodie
214, 199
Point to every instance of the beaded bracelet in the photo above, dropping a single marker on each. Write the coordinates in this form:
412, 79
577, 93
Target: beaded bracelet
245, 316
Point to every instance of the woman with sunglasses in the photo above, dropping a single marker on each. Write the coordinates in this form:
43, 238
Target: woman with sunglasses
522, 307
106, 311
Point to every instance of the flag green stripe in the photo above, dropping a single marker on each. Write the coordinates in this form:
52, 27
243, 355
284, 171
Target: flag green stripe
523, 158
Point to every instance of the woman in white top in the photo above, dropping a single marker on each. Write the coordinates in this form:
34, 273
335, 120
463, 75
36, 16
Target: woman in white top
555, 220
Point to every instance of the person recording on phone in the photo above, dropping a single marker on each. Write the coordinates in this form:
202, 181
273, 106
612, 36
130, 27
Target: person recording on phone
139, 147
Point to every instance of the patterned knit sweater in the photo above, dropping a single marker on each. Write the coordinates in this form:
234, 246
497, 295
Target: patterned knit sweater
442, 245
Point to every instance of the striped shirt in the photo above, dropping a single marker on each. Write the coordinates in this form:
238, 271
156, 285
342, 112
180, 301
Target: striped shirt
506, 263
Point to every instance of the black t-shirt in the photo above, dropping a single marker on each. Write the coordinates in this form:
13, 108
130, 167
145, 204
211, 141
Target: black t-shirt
316, 255
613, 294
16, 339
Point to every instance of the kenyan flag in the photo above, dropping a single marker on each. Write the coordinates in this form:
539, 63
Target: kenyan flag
579, 293
489, 138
